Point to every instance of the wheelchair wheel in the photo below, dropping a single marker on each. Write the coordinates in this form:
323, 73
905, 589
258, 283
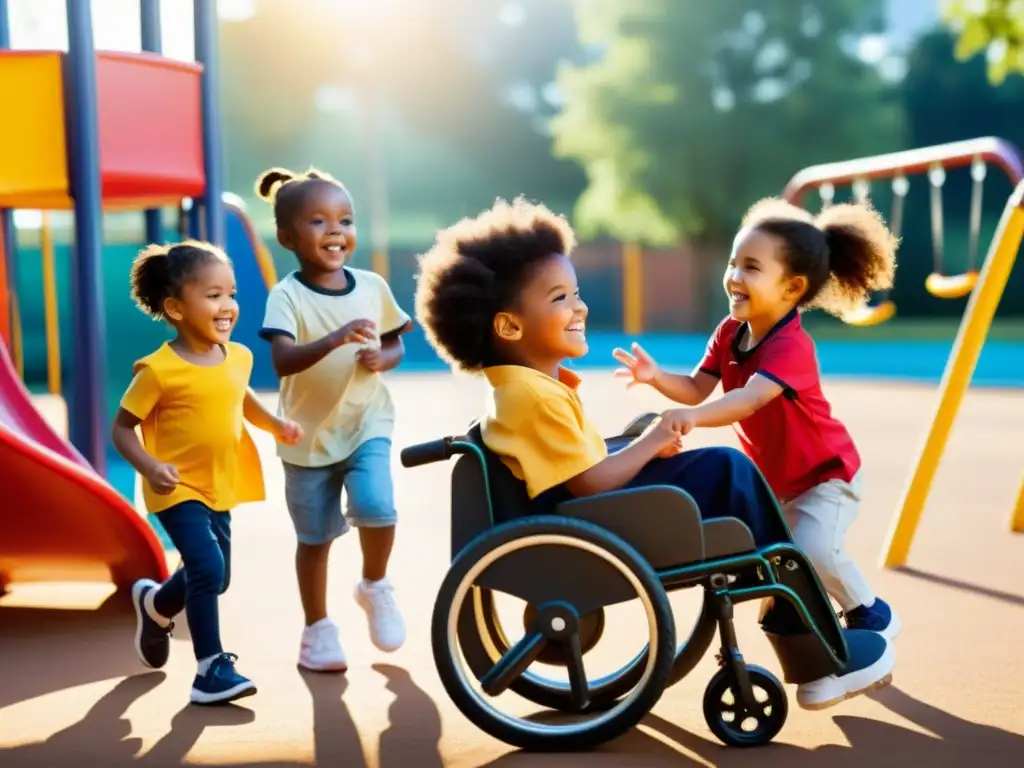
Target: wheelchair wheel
737, 725
491, 671
484, 642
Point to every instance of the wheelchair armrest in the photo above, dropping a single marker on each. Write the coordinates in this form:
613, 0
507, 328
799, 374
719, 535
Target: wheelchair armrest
636, 427
661, 521
633, 430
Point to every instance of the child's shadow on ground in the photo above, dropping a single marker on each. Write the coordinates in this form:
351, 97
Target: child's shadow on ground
414, 724
103, 647
951, 741
101, 737
412, 735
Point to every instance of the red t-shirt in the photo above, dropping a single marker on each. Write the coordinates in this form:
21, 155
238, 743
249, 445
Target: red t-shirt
794, 440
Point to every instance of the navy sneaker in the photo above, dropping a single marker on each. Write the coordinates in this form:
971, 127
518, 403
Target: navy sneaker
221, 683
152, 642
870, 667
877, 617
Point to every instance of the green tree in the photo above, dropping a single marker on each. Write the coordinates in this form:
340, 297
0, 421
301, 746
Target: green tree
993, 27
442, 74
690, 110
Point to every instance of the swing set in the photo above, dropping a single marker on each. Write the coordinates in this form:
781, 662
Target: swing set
984, 284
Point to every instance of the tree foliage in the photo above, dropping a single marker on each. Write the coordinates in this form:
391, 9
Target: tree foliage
992, 27
689, 110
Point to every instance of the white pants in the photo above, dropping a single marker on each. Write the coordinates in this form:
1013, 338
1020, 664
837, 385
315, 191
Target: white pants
819, 519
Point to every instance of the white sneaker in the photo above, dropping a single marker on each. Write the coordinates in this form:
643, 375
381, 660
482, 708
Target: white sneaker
387, 628
321, 648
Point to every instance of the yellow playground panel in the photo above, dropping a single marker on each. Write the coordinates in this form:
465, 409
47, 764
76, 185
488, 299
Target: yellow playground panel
985, 288
33, 155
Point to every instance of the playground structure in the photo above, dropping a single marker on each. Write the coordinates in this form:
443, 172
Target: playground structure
985, 288
170, 154
80, 142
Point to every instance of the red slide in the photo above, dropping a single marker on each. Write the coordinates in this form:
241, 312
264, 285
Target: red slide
59, 520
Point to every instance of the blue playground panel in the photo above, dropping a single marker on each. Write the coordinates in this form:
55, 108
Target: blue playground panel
1001, 363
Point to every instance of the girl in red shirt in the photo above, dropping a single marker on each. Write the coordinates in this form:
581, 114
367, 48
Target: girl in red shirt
784, 260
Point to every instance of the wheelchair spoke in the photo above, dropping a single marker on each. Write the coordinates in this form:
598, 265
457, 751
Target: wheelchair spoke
579, 687
514, 663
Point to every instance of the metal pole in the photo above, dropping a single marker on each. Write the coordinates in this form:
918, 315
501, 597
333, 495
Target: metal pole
87, 407
6, 217
207, 54
152, 41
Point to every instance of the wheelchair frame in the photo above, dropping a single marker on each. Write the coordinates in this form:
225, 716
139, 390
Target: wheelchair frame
559, 624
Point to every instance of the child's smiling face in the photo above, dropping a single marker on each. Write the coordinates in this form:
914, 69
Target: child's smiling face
548, 323
323, 231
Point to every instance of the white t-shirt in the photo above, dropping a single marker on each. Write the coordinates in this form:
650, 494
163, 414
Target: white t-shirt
338, 403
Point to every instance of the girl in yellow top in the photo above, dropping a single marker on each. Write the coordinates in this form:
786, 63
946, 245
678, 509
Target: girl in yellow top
196, 458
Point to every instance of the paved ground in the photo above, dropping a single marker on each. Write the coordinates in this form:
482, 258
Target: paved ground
72, 692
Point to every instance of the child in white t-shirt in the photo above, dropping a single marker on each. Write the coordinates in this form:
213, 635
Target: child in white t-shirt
333, 330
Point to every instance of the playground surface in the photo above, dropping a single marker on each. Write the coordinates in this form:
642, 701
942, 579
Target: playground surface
72, 689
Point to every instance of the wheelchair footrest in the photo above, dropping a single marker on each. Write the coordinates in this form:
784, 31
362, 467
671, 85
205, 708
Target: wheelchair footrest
803, 657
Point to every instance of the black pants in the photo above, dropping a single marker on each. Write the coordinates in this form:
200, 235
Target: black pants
203, 539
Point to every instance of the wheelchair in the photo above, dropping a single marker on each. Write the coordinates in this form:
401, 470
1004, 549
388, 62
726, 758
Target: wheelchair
591, 554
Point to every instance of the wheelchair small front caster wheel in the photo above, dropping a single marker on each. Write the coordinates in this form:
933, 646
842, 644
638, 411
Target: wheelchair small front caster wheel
737, 725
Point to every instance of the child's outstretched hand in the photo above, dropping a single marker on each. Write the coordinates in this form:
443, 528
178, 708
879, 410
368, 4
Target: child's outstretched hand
287, 432
681, 418
640, 367
356, 332
163, 478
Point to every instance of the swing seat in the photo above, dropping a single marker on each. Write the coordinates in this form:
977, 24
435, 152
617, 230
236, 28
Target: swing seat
951, 286
867, 315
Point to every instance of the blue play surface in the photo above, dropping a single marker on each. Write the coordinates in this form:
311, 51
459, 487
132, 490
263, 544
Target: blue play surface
1001, 363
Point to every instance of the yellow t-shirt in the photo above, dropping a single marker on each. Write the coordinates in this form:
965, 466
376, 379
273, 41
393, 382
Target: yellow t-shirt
192, 419
536, 425
338, 403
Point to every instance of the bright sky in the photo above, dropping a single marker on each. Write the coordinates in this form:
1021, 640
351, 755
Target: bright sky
116, 25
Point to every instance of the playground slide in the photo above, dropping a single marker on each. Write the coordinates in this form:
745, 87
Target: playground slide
59, 520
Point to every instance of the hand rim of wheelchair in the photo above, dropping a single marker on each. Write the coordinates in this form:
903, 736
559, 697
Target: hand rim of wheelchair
608, 722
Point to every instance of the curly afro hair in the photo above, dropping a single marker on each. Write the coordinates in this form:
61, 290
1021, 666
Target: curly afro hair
476, 269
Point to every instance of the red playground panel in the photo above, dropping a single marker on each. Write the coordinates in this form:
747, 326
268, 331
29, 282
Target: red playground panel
150, 127
59, 520
150, 130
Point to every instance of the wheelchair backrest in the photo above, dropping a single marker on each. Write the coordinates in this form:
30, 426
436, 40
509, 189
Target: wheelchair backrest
470, 514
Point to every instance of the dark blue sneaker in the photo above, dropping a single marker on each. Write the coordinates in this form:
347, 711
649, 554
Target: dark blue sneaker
221, 683
870, 667
877, 617
152, 642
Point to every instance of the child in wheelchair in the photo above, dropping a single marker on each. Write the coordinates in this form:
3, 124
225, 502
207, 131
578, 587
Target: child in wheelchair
498, 295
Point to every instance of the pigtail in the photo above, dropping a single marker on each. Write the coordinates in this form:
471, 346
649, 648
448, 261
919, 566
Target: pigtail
150, 279
270, 181
861, 255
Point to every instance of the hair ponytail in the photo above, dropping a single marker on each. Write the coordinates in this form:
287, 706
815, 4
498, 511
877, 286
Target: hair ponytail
284, 190
861, 255
149, 277
270, 181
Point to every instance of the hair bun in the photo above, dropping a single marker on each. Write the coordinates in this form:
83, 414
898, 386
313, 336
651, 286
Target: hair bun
270, 181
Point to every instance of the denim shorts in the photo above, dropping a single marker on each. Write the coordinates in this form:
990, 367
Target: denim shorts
313, 494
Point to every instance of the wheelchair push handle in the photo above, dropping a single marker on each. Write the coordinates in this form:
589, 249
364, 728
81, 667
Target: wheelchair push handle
427, 453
